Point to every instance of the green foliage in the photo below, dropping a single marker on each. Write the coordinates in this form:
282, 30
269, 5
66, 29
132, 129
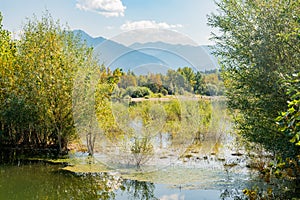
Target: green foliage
211, 90
140, 189
181, 81
199, 86
105, 88
189, 78
142, 150
49, 57
258, 40
137, 92
289, 121
37, 83
173, 110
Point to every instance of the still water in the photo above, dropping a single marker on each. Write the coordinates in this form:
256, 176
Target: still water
45, 181
192, 156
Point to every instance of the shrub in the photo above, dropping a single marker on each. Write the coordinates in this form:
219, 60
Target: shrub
137, 92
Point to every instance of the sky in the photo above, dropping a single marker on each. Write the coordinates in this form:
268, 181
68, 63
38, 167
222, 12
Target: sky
110, 18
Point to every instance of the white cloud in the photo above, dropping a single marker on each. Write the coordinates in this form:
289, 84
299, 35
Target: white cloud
153, 35
148, 24
108, 8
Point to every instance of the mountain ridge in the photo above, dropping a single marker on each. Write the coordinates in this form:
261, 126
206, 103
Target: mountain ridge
155, 57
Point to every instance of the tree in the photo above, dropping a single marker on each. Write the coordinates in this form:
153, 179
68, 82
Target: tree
199, 87
94, 86
137, 92
7, 61
141, 150
289, 120
38, 75
7, 83
174, 81
127, 80
49, 56
258, 40
189, 77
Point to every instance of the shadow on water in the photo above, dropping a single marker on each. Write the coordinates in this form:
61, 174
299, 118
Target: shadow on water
10, 155
40, 180
43, 181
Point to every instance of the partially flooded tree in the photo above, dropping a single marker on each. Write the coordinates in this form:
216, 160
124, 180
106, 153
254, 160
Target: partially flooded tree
257, 41
84, 102
93, 88
142, 150
36, 92
7, 84
49, 57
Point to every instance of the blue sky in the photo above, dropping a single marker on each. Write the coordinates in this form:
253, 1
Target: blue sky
109, 18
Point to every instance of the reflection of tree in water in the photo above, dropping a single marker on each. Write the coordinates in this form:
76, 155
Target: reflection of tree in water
232, 194
89, 186
260, 192
139, 189
44, 181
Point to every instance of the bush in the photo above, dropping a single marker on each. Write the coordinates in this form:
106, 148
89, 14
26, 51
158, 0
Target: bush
211, 90
164, 92
137, 92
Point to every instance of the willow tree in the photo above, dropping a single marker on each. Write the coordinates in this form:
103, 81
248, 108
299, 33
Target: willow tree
7, 82
48, 59
7, 60
256, 42
92, 112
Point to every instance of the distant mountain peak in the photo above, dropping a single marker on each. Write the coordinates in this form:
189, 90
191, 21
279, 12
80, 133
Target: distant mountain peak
91, 41
151, 56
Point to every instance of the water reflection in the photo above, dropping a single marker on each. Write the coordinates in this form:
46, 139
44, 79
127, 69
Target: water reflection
139, 189
43, 181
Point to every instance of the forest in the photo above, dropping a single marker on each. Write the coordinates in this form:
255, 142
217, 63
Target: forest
175, 82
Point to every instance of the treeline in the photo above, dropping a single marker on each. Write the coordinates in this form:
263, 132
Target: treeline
37, 74
174, 82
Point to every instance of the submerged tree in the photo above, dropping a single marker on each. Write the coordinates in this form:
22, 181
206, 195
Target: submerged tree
258, 40
94, 86
141, 150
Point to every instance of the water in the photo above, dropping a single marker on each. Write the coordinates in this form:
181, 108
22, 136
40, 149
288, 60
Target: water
181, 165
195, 179
45, 181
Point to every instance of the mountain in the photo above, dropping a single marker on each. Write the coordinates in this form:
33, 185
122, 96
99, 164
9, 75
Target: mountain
90, 41
115, 55
155, 57
177, 55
